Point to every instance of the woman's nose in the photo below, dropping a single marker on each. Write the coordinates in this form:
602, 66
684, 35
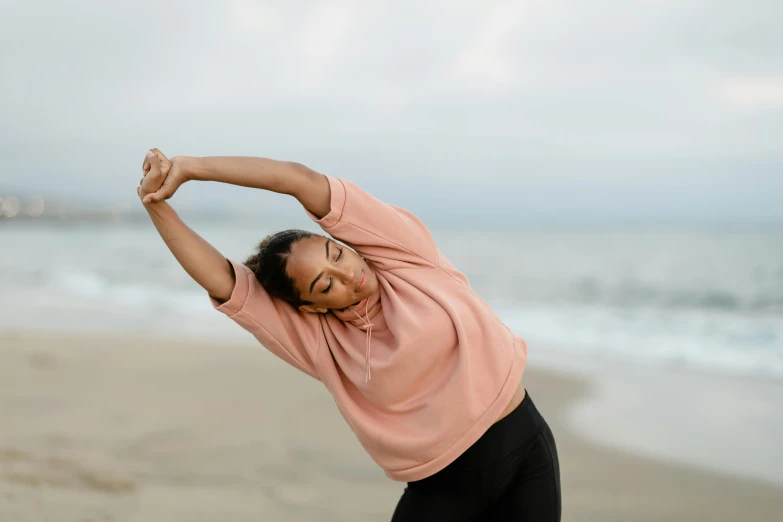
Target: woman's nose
346, 274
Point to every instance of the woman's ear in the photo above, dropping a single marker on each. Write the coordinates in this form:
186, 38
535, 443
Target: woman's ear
313, 309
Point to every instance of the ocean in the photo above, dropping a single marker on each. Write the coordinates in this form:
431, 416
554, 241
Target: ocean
705, 298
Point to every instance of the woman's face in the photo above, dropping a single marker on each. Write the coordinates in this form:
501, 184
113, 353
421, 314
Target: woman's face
329, 275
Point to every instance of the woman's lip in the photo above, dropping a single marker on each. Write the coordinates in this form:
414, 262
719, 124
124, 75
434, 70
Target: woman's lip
362, 283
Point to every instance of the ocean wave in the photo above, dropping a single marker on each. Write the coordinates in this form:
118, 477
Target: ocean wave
686, 297
715, 340
90, 285
636, 294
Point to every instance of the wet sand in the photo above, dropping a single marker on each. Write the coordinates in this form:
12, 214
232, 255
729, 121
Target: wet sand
113, 428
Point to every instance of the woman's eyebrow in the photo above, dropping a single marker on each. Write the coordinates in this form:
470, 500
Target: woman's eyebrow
312, 285
315, 281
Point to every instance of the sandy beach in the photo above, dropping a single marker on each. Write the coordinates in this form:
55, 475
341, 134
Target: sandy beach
118, 428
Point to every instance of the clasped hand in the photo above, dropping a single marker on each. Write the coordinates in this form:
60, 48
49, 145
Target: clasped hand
162, 176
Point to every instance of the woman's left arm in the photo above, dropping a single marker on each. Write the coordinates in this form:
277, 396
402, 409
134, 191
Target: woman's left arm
284, 177
342, 209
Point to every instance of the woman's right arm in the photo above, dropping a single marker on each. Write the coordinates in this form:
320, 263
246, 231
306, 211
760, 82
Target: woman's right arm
290, 335
208, 267
201, 261
293, 336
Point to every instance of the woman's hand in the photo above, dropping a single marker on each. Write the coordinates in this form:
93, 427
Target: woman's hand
162, 176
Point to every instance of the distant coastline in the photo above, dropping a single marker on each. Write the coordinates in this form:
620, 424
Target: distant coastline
70, 215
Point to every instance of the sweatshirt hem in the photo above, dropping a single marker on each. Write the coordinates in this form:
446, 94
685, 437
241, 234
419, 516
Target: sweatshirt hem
477, 431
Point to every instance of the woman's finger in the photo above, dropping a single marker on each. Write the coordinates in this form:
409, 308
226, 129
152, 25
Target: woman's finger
174, 179
145, 166
153, 162
158, 154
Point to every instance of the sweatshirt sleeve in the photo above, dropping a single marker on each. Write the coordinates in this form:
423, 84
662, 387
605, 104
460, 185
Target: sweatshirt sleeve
293, 336
376, 230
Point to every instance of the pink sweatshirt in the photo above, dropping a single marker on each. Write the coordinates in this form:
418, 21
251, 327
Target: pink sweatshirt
425, 370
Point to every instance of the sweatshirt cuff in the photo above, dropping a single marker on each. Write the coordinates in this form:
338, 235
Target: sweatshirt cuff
238, 295
336, 204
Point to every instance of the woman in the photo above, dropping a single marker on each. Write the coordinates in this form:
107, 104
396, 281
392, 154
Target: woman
424, 372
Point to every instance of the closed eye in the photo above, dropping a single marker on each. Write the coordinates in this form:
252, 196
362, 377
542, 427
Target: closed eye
340, 249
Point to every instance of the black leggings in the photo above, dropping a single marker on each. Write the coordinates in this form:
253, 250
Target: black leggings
510, 474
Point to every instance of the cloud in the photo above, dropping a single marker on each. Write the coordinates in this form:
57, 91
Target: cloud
485, 59
324, 33
752, 92
485, 97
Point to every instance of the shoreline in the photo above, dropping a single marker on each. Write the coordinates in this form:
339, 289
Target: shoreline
681, 415
156, 429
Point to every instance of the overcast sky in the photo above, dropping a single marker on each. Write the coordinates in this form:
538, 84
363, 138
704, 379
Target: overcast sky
668, 109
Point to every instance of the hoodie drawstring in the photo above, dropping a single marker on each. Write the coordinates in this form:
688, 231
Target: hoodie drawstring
367, 327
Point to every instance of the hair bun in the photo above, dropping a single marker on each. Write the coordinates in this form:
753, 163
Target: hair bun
253, 262
269, 263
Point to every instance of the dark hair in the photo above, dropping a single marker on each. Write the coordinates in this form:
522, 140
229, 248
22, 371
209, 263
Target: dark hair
270, 262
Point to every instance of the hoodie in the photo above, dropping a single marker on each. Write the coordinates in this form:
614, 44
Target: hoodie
421, 369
